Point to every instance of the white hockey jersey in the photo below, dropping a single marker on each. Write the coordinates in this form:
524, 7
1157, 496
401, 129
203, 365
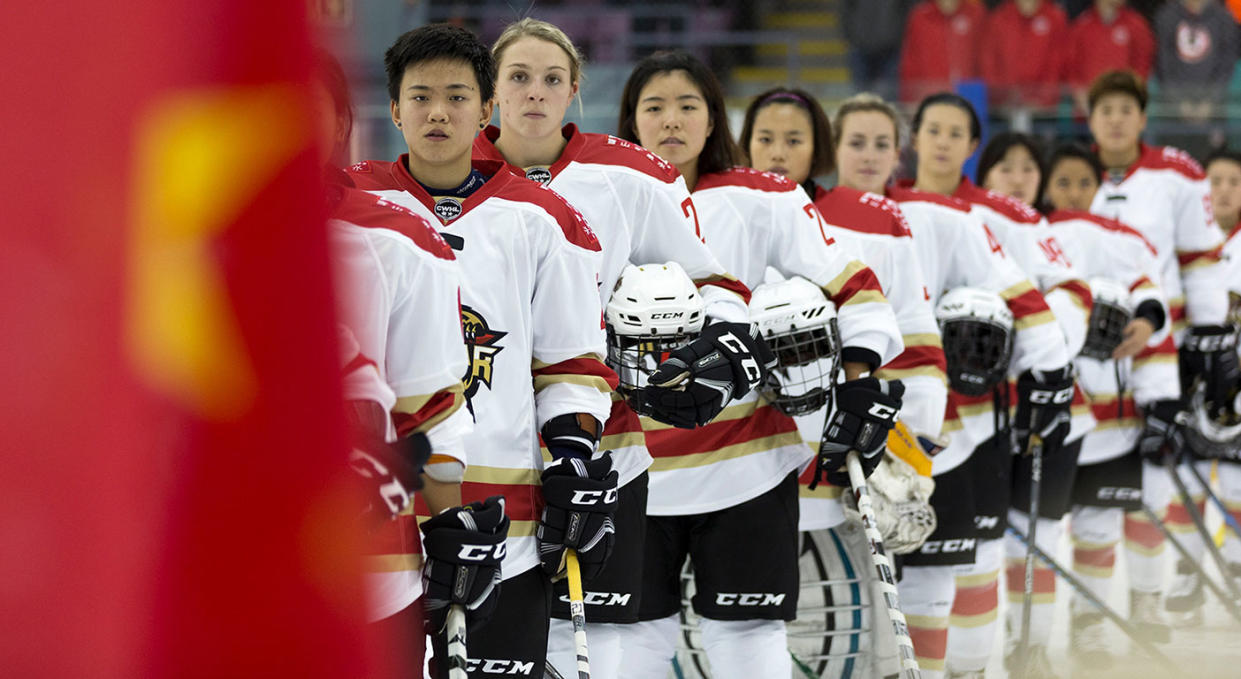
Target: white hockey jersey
397, 296
1026, 238
752, 220
875, 229
1165, 196
532, 322
955, 248
642, 213
1104, 248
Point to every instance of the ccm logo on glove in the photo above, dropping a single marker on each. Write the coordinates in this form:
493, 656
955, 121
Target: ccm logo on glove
1058, 397
883, 412
482, 552
590, 498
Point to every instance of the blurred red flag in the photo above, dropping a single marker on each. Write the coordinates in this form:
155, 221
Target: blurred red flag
174, 500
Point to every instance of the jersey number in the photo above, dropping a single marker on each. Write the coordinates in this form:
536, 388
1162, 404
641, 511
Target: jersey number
687, 207
814, 214
1054, 252
991, 241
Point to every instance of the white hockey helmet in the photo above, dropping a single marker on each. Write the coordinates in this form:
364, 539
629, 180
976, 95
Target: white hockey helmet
654, 309
799, 324
1111, 311
977, 330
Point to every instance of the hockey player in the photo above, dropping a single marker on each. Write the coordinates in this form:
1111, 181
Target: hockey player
531, 317
955, 249
946, 131
1129, 373
641, 212
1185, 596
398, 292
726, 494
1163, 193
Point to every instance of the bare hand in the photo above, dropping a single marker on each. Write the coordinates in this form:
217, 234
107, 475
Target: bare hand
1136, 334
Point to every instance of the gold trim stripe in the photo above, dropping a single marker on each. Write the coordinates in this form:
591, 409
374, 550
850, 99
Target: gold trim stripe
971, 621
664, 464
977, 579
391, 563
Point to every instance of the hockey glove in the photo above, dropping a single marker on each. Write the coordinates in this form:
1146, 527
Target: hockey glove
1044, 402
1209, 354
697, 380
1161, 435
865, 411
464, 547
581, 499
390, 472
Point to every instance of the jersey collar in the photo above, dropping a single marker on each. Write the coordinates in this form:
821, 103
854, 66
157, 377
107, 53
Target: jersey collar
493, 169
485, 147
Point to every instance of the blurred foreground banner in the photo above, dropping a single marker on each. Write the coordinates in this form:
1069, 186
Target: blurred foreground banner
173, 498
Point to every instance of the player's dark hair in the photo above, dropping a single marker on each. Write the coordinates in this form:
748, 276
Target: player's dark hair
1221, 153
1067, 151
329, 72
440, 42
999, 146
1118, 82
720, 152
950, 99
823, 155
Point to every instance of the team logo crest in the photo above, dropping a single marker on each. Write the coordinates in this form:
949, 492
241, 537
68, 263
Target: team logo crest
481, 340
448, 209
541, 175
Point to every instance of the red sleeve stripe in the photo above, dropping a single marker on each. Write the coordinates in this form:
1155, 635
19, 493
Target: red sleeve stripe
1105, 410
435, 410
1080, 291
858, 281
916, 357
1143, 283
399, 536
357, 363
1165, 348
1027, 303
521, 502
1191, 258
581, 366
672, 442
727, 283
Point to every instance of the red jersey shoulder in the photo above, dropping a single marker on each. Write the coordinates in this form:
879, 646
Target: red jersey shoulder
484, 145
1106, 223
371, 211
745, 177
861, 211
1171, 158
373, 174
905, 194
604, 149
571, 222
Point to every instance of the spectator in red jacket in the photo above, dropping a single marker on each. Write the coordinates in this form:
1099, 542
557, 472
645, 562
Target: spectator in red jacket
1107, 37
1022, 48
940, 47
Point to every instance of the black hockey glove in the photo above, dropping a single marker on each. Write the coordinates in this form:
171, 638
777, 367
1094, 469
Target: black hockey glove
865, 411
697, 380
1044, 403
1209, 353
390, 472
581, 499
1161, 434
464, 547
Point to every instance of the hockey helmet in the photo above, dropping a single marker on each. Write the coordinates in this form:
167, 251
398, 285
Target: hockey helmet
977, 330
799, 324
1110, 313
1213, 431
654, 309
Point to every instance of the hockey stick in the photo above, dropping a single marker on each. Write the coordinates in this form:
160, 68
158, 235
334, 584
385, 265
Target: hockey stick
1191, 508
878, 557
457, 657
1124, 625
1027, 597
577, 609
1219, 504
549, 672
1229, 604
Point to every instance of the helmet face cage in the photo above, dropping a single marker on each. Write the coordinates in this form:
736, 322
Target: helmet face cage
977, 351
634, 358
1107, 329
1214, 431
809, 361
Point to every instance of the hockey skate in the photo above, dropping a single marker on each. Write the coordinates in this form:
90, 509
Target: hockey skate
1088, 643
1147, 615
1185, 597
